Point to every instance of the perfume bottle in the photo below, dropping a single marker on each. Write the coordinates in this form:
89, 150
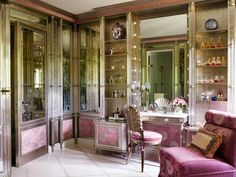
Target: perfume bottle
111, 80
219, 42
223, 61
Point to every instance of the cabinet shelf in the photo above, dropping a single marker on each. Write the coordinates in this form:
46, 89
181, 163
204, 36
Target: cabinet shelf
118, 98
116, 70
115, 84
215, 48
116, 55
212, 32
115, 41
214, 102
28, 85
214, 83
89, 85
212, 66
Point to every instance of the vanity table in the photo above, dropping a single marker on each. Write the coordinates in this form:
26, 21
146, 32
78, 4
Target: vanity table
169, 124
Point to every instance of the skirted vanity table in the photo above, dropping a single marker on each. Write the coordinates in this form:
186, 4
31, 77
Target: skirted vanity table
169, 124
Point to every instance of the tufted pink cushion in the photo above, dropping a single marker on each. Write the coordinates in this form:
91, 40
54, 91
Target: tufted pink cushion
149, 137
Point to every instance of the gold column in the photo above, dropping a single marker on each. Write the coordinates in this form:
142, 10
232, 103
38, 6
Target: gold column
192, 82
231, 57
5, 84
102, 65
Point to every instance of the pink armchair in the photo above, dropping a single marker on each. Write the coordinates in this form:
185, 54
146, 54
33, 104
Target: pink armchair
186, 162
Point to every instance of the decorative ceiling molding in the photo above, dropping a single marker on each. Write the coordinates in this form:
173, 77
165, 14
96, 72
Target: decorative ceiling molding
87, 17
46, 9
117, 9
133, 6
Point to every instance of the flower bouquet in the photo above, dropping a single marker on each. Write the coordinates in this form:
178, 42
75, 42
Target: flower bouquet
180, 104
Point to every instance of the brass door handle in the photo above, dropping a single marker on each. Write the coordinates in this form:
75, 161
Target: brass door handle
5, 91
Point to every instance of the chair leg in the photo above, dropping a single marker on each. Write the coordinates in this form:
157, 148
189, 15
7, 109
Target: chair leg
130, 149
158, 151
142, 158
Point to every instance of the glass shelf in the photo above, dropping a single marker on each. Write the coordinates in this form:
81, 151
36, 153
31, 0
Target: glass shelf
214, 83
116, 55
118, 98
115, 41
116, 70
212, 66
117, 84
215, 48
212, 31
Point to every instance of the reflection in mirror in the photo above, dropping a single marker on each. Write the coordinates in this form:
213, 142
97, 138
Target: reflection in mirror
33, 49
164, 56
160, 73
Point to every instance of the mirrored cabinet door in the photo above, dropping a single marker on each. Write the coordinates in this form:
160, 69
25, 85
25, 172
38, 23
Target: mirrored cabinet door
33, 53
66, 38
89, 68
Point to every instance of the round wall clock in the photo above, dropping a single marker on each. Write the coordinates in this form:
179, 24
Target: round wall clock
211, 24
118, 31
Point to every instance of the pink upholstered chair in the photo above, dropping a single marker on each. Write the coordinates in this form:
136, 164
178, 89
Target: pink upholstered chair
137, 135
186, 162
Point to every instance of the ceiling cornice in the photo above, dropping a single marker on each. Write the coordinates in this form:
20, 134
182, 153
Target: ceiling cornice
117, 9
134, 6
87, 17
46, 9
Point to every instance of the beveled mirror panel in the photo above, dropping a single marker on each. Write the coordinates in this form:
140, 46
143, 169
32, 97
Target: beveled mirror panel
33, 55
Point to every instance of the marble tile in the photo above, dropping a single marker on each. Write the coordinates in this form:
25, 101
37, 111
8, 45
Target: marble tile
82, 170
47, 159
130, 175
74, 159
19, 172
81, 160
101, 159
45, 171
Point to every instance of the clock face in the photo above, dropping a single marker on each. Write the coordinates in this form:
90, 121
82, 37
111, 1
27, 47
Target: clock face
118, 31
211, 24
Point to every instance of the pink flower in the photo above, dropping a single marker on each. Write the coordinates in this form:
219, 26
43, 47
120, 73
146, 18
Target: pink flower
180, 102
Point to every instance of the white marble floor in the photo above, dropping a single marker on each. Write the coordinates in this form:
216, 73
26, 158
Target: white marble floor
80, 160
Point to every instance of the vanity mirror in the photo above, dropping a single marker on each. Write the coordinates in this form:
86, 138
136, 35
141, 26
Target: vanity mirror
164, 56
